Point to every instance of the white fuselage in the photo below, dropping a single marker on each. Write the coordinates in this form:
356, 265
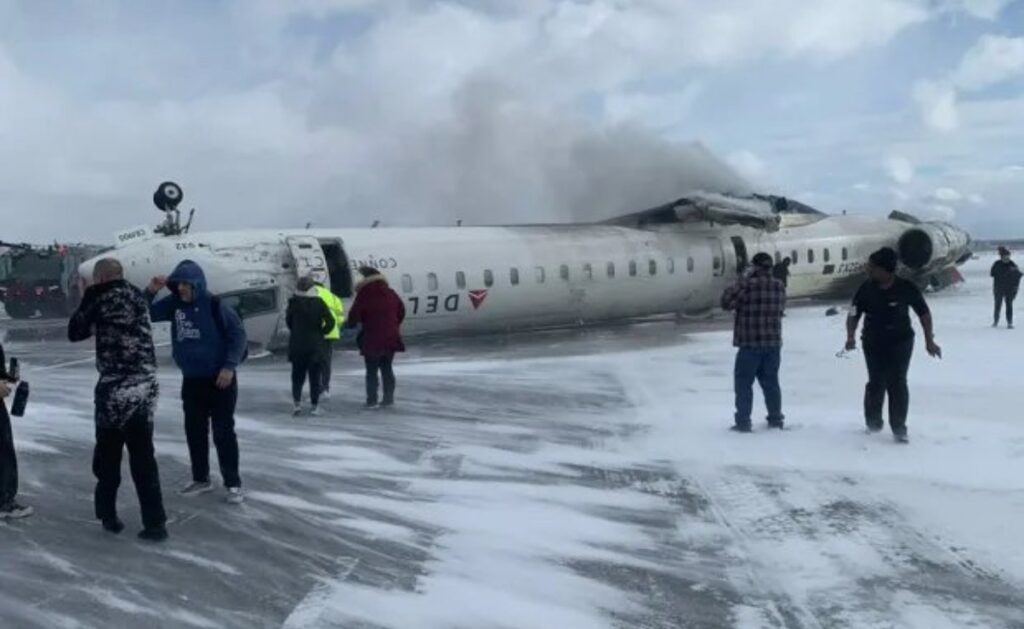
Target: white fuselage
481, 279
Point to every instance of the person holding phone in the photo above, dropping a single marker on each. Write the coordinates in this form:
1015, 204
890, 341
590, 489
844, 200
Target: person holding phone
10, 509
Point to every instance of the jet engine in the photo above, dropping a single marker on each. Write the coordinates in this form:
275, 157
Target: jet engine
932, 247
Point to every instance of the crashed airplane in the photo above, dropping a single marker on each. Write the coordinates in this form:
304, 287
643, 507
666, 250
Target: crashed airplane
671, 259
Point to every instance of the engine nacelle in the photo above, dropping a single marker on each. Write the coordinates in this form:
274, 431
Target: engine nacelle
931, 247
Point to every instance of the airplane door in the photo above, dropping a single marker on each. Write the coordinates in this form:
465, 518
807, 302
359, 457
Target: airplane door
740, 248
309, 258
717, 257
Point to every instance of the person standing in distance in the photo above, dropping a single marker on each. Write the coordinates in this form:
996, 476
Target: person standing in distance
1005, 282
758, 300
208, 343
308, 319
116, 313
9, 507
380, 312
884, 301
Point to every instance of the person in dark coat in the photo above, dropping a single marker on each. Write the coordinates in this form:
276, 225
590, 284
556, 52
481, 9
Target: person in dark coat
309, 319
9, 507
781, 271
1005, 282
208, 344
885, 300
118, 315
380, 312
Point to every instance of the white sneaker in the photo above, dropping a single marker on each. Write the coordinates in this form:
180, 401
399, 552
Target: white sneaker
297, 410
196, 488
315, 411
235, 496
325, 395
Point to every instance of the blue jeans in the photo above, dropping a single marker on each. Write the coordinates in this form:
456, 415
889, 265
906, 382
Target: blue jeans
762, 364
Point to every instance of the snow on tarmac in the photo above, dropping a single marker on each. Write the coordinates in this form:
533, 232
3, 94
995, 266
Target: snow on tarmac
578, 480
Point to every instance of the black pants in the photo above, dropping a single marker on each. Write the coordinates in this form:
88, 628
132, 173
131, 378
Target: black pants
1002, 296
888, 364
8, 460
137, 435
310, 367
325, 371
207, 406
384, 366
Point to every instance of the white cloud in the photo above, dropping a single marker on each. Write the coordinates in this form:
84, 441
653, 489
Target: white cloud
937, 103
900, 169
947, 195
992, 60
976, 199
982, 9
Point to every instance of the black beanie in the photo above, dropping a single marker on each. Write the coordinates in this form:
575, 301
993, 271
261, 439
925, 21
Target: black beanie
885, 258
762, 260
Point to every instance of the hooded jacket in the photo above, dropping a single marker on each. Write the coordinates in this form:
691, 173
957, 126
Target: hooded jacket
380, 311
309, 320
200, 349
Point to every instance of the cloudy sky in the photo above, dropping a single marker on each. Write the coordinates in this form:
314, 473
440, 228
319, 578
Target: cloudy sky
341, 112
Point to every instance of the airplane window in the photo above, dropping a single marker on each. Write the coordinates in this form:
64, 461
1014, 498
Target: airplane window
406, 283
431, 282
563, 272
611, 269
810, 256
460, 279
689, 265
588, 272
251, 303
794, 258
513, 276
652, 267
540, 275
671, 265
488, 278
828, 255
846, 254
718, 263
632, 268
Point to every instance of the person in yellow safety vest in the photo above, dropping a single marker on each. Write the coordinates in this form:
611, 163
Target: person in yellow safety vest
337, 309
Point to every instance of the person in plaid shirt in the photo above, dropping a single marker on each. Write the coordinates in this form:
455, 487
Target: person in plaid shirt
759, 300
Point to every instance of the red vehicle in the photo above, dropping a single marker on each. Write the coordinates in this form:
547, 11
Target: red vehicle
41, 281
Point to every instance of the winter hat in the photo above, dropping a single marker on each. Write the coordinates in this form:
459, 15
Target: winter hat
762, 260
305, 283
885, 258
1003, 251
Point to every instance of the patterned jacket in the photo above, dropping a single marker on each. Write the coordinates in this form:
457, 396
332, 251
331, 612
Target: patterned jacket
759, 301
118, 314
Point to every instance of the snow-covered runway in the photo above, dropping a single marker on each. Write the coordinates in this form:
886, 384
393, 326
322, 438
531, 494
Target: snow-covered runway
570, 480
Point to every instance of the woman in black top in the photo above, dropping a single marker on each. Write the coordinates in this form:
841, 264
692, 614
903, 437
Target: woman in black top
885, 300
1005, 282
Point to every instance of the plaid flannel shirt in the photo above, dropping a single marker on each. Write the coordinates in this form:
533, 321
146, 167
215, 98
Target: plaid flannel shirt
759, 301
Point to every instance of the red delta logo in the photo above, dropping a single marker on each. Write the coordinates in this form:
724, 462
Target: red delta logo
477, 297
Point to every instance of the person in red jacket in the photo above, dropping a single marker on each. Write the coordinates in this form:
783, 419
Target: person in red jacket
380, 312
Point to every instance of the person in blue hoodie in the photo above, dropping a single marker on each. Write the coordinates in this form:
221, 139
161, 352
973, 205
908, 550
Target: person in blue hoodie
208, 343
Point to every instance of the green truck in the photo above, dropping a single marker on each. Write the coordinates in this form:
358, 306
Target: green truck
41, 280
